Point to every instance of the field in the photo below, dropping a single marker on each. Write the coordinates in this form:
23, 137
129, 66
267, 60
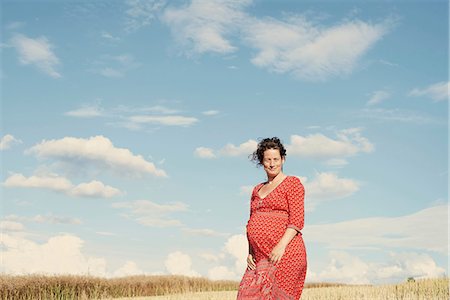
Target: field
185, 288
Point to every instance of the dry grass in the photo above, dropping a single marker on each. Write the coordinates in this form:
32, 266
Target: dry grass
185, 288
427, 289
87, 287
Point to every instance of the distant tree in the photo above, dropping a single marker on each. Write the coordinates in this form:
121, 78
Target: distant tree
410, 279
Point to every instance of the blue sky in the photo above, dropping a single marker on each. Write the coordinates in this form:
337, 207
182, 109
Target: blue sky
127, 125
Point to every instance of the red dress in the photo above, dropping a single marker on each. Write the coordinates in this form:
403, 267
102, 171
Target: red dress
269, 218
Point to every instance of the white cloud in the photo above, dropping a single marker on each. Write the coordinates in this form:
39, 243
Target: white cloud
128, 269
15, 25
55, 183
114, 66
94, 188
95, 150
245, 148
336, 162
344, 267
325, 187
140, 13
60, 254
234, 250
204, 152
318, 146
152, 214
203, 232
398, 115
164, 120
211, 257
108, 36
387, 232
86, 111
310, 51
203, 26
411, 264
378, 97
49, 218
221, 273
11, 226
7, 141
210, 112
179, 263
60, 184
246, 190
438, 92
36, 52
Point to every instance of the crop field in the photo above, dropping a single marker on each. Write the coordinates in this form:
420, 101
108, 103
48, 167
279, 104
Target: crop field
185, 288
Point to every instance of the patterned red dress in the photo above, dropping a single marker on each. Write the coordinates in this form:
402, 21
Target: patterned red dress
269, 218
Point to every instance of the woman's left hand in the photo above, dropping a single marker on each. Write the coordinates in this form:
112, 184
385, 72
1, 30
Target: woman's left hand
277, 253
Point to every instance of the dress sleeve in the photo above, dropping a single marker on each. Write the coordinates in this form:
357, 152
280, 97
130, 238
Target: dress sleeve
296, 204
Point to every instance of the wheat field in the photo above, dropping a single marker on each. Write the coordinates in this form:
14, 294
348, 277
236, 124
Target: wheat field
428, 289
187, 288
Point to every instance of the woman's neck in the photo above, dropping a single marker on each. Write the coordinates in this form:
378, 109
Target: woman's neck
274, 178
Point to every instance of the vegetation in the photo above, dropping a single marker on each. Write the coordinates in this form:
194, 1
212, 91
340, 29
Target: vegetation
87, 287
188, 288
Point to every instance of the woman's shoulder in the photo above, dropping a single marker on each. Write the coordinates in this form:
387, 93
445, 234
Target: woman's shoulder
293, 179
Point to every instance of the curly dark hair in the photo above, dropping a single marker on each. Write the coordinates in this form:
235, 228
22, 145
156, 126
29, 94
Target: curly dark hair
264, 144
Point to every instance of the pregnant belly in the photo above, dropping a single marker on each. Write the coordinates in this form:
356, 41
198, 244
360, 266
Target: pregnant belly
265, 229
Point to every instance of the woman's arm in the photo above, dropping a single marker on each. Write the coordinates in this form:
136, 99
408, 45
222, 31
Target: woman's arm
278, 250
295, 199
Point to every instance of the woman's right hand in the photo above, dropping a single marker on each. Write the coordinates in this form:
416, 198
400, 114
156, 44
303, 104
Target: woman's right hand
251, 263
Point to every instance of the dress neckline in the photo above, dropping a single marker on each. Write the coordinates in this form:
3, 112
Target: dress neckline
262, 184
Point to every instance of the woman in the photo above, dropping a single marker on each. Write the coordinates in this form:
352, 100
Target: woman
276, 263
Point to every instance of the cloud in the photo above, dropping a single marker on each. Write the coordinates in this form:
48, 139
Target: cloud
325, 187
210, 112
378, 97
55, 183
387, 232
86, 111
203, 26
246, 190
309, 51
152, 214
49, 218
179, 263
61, 254
164, 120
234, 250
114, 66
128, 269
140, 13
438, 92
11, 226
232, 150
204, 152
15, 25
97, 150
94, 188
344, 267
203, 232
398, 115
108, 36
37, 52
349, 142
336, 162
7, 141
60, 184
245, 148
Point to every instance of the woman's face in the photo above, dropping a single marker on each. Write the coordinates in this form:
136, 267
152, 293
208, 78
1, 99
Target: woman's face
272, 162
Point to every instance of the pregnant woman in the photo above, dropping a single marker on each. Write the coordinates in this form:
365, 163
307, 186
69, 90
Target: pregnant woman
276, 263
